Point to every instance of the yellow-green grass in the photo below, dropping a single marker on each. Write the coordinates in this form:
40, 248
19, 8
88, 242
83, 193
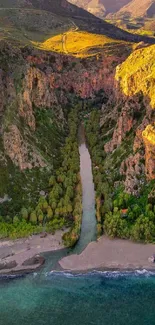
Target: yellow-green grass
137, 73
149, 134
77, 43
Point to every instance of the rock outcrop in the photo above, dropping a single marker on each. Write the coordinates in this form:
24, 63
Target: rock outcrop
135, 103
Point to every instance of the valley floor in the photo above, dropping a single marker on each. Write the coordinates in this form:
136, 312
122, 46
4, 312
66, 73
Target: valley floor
111, 254
25, 249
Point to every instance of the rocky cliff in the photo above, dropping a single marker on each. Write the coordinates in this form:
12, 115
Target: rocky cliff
37, 90
134, 111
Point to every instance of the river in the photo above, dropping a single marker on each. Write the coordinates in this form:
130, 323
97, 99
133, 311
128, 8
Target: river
88, 227
61, 298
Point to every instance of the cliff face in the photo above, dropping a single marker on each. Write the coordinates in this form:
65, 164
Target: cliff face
37, 88
135, 101
50, 78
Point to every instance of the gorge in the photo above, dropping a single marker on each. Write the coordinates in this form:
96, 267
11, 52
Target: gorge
77, 165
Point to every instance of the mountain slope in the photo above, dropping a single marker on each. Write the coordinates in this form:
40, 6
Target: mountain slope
137, 74
100, 8
138, 8
36, 20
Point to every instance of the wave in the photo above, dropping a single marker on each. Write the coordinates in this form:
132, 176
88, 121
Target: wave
92, 273
107, 274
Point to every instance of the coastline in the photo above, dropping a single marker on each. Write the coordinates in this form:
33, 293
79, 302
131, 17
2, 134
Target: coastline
105, 255
111, 254
23, 255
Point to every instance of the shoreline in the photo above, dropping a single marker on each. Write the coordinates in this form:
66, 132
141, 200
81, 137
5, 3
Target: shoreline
105, 255
24, 256
111, 254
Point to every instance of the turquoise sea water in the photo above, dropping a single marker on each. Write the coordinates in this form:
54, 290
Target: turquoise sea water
66, 299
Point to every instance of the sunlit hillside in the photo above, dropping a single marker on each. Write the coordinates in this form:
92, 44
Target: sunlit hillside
149, 134
76, 43
137, 73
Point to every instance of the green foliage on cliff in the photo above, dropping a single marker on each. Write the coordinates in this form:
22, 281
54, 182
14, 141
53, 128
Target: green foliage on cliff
118, 213
61, 203
23, 188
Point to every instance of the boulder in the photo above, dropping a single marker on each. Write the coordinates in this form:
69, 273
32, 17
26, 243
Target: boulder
8, 265
35, 260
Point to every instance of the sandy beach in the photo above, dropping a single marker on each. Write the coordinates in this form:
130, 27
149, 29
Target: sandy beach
111, 254
15, 254
24, 255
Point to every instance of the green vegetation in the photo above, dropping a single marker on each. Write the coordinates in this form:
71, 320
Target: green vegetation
118, 213
24, 187
61, 205
131, 217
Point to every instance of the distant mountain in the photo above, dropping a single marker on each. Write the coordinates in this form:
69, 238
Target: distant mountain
100, 8
22, 18
138, 8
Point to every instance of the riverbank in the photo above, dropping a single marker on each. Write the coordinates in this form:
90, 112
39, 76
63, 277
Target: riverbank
111, 254
24, 255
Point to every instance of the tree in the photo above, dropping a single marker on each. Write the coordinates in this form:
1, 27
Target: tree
115, 226
143, 230
52, 180
33, 218
70, 192
15, 220
24, 213
40, 217
49, 213
136, 210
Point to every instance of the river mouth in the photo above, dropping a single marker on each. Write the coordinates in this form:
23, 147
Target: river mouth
47, 297
88, 226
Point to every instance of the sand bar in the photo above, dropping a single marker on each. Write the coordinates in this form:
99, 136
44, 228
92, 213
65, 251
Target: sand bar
23, 249
111, 254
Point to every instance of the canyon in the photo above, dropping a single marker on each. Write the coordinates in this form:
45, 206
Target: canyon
39, 87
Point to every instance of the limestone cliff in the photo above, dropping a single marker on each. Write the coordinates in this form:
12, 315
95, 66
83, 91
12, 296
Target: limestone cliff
135, 103
47, 81
37, 89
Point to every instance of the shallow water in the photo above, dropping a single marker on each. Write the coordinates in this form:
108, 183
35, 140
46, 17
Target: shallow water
88, 229
66, 299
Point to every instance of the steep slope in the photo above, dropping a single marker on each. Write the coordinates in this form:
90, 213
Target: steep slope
100, 8
35, 20
138, 8
40, 87
38, 90
137, 74
124, 171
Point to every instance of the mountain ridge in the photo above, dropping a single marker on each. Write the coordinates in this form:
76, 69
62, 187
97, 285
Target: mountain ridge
137, 8
65, 16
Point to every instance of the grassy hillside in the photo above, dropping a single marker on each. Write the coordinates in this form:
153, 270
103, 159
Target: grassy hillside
34, 20
137, 73
78, 43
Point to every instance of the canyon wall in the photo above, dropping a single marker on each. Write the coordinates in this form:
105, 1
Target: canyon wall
41, 80
135, 101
